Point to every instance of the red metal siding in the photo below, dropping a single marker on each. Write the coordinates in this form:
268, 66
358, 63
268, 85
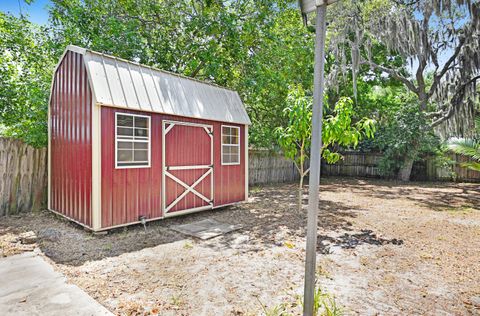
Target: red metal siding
71, 145
130, 193
229, 180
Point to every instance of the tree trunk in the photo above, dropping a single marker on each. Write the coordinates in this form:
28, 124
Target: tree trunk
300, 192
406, 169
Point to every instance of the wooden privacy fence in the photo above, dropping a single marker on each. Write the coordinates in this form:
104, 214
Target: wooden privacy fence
269, 167
354, 164
430, 171
23, 181
365, 164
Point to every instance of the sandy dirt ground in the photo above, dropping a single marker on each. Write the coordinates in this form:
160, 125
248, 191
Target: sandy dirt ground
385, 248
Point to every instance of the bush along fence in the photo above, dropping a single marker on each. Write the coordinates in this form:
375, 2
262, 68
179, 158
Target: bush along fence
23, 182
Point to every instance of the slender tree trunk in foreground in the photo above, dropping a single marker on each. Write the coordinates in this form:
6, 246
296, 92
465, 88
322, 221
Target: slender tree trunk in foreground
301, 169
300, 192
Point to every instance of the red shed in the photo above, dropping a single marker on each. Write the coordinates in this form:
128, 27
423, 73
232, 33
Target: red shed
128, 141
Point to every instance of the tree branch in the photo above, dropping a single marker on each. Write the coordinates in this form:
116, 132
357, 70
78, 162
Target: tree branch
306, 172
456, 99
437, 77
197, 69
394, 74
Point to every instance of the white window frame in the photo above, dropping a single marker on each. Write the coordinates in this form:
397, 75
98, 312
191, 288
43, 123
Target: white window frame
148, 141
231, 145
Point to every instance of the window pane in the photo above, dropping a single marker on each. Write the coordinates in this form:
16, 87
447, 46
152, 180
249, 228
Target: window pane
122, 131
124, 145
125, 120
141, 122
226, 150
225, 130
230, 135
225, 139
226, 158
234, 150
141, 145
124, 155
235, 158
132, 145
141, 155
141, 132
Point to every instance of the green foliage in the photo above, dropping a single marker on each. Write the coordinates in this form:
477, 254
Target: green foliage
468, 147
338, 128
26, 65
324, 304
404, 133
295, 138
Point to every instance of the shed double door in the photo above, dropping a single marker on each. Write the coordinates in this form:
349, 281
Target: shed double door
187, 160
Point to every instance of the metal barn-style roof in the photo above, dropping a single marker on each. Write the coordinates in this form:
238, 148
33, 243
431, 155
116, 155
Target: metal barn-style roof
124, 84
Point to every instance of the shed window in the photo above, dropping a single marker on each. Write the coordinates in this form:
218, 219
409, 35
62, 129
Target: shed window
230, 145
132, 141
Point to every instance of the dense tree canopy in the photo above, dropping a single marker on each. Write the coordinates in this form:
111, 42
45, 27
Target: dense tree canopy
261, 48
26, 64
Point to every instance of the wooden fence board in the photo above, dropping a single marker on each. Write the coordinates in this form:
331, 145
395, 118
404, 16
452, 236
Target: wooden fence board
23, 183
270, 167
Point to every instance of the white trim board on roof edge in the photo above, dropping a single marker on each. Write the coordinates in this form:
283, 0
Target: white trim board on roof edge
123, 84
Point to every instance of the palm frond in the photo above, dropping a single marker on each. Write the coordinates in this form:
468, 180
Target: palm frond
471, 165
465, 147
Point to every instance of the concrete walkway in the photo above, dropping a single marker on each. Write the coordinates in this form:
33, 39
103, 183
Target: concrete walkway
30, 286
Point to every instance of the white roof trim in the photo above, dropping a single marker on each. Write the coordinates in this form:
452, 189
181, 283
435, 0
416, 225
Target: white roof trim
124, 84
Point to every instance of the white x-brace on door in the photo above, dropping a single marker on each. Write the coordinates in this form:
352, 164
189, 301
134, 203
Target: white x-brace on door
187, 166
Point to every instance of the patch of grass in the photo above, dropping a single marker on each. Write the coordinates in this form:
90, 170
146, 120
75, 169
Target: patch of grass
108, 247
324, 304
457, 210
187, 245
255, 189
176, 300
278, 310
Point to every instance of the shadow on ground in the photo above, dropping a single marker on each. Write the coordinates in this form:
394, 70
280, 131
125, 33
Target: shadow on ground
271, 209
438, 196
271, 212
353, 240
